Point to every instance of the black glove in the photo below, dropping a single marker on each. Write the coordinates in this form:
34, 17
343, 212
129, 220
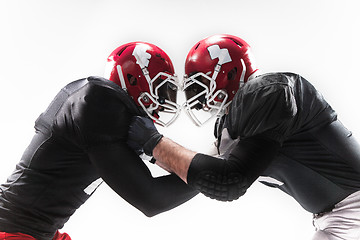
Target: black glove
143, 135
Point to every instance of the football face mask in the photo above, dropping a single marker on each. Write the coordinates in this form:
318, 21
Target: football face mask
160, 102
203, 101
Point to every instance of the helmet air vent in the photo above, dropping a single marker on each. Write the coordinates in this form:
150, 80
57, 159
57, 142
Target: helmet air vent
197, 46
121, 51
236, 42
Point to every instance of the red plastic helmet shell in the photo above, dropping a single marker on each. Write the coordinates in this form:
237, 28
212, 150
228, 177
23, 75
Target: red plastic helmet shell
154, 59
199, 59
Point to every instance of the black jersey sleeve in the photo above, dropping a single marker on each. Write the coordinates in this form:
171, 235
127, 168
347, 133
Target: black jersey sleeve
129, 177
228, 179
102, 120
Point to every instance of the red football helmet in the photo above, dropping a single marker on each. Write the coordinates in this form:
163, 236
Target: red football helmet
215, 68
147, 74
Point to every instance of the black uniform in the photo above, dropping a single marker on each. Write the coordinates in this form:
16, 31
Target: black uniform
81, 139
290, 134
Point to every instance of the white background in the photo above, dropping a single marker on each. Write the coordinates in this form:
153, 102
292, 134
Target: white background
46, 44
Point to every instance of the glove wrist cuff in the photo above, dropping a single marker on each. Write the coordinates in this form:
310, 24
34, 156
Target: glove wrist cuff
151, 144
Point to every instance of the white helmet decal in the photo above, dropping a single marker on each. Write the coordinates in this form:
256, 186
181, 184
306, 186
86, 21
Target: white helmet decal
142, 57
222, 54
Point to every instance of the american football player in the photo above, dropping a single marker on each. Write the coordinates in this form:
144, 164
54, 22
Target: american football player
80, 141
274, 127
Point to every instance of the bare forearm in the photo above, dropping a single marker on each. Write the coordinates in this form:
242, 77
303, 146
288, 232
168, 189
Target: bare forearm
173, 157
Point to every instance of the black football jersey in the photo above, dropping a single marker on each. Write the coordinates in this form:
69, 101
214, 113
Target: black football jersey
287, 136
80, 141
318, 162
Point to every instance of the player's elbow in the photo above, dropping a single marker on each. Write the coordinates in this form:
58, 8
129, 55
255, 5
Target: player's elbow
153, 206
216, 178
221, 187
150, 213
150, 210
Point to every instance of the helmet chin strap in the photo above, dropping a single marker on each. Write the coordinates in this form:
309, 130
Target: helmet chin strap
155, 116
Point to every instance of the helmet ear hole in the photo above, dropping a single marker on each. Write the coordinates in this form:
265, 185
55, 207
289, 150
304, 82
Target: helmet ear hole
232, 74
132, 80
